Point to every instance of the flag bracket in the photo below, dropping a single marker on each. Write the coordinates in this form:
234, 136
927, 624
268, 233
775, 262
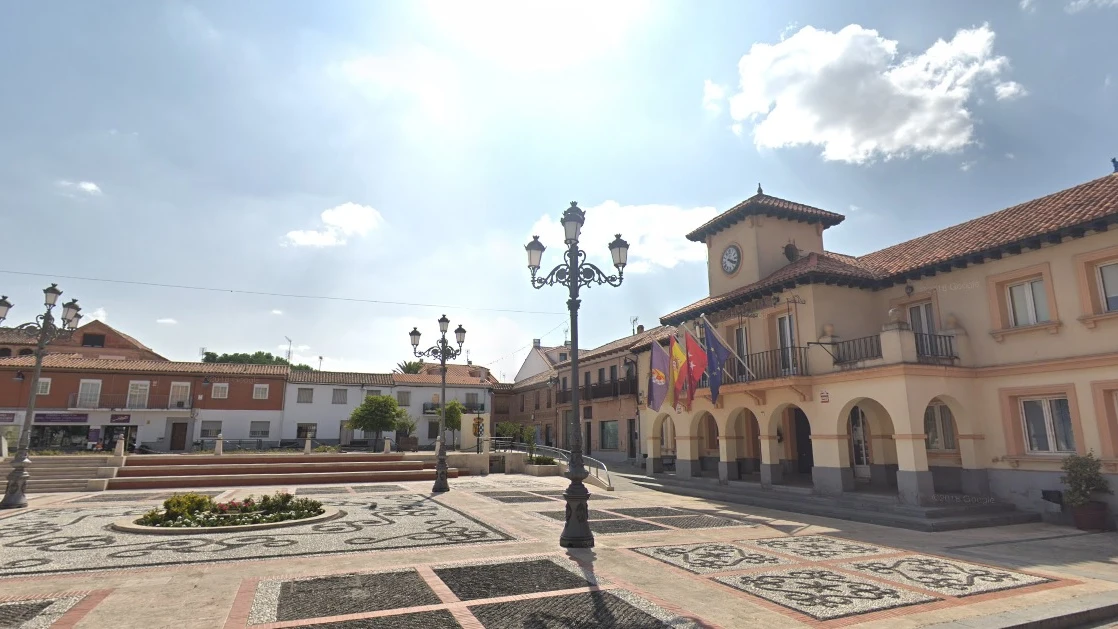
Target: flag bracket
758, 396
825, 348
805, 393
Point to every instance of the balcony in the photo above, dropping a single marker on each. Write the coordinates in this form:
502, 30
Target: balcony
563, 397
474, 407
123, 401
612, 389
776, 363
857, 350
935, 347
431, 408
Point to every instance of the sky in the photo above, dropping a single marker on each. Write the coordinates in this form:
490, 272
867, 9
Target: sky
227, 175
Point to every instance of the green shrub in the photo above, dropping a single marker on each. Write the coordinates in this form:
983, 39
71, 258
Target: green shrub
326, 449
187, 504
541, 460
1083, 478
195, 510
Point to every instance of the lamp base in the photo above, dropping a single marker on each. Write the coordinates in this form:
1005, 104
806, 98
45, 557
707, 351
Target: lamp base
14, 495
576, 529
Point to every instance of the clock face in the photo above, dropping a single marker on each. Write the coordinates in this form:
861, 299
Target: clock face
731, 259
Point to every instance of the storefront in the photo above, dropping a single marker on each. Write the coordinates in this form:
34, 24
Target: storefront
72, 431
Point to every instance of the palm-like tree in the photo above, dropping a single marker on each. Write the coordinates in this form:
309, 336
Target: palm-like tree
409, 366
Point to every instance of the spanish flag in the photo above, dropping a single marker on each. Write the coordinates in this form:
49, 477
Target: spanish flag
679, 373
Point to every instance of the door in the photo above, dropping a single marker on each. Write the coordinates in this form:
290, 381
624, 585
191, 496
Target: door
138, 394
632, 438
804, 457
586, 443
785, 330
178, 436
547, 436
180, 395
345, 433
859, 444
922, 322
741, 346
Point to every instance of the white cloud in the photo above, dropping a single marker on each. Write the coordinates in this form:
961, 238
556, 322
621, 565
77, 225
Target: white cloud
642, 226
277, 312
1075, 6
87, 187
1028, 5
339, 223
166, 321
1010, 156
1106, 82
855, 96
98, 314
1010, 90
713, 96
965, 166
418, 76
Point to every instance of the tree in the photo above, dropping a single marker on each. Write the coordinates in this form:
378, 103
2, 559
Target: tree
409, 366
256, 358
452, 416
405, 426
377, 414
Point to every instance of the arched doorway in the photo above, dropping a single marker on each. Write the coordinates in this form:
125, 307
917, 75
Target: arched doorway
942, 446
743, 437
705, 427
870, 446
793, 436
661, 446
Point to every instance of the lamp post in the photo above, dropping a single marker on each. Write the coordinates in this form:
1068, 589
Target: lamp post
43, 330
442, 351
574, 273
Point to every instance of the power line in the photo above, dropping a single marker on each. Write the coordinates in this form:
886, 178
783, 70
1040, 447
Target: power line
517, 351
267, 294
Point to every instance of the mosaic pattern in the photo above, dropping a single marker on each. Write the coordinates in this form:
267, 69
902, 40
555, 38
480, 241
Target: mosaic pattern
38, 614
75, 539
650, 512
361, 489
699, 522
591, 609
592, 514
521, 499
819, 547
955, 578
713, 557
438, 619
606, 527
315, 491
823, 594
509, 579
111, 496
351, 594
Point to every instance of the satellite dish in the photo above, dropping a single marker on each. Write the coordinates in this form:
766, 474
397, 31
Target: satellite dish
791, 252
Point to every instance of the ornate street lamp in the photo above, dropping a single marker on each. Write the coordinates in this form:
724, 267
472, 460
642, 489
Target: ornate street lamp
442, 352
574, 273
43, 330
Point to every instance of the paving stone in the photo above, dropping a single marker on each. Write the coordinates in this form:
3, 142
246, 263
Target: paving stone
572, 611
521, 499
819, 547
509, 579
311, 491
504, 493
601, 497
361, 489
606, 527
711, 557
592, 515
352, 594
649, 512
944, 576
439, 619
15, 614
824, 594
551, 494
111, 497
699, 522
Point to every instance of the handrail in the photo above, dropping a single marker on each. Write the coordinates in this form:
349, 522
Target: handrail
598, 466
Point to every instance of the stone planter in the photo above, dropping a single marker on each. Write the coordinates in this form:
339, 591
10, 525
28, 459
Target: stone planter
130, 526
1090, 517
542, 470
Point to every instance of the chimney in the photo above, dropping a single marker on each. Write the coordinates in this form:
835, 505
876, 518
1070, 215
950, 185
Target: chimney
640, 329
566, 344
535, 342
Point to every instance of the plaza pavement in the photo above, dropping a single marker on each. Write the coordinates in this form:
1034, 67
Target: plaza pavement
486, 555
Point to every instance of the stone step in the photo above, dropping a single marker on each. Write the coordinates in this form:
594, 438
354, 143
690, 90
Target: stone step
62, 474
134, 471
50, 486
249, 480
820, 507
148, 460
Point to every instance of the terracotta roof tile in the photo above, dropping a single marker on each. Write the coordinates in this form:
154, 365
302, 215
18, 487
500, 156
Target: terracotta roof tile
658, 334
534, 381
340, 377
454, 370
619, 345
9, 336
763, 204
435, 379
73, 362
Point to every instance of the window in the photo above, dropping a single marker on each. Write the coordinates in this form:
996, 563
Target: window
259, 430
25, 352
220, 391
521, 397
1028, 303
537, 407
5, 352
138, 394
565, 383
44, 387
562, 356
1108, 287
180, 395
89, 394
432, 430
613, 373
260, 391
372, 392
1048, 425
939, 426
607, 435
93, 340
601, 375
211, 430
586, 379
588, 412
549, 398
471, 400
403, 398
304, 396
340, 396
306, 431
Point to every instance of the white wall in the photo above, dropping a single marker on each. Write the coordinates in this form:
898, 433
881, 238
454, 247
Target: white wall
534, 364
321, 410
421, 394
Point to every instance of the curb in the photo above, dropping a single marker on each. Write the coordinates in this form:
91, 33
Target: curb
129, 525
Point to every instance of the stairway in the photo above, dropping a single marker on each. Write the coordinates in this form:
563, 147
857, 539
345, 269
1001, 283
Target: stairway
175, 471
51, 474
854, 506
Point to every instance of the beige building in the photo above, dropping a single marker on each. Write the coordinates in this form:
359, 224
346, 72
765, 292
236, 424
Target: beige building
967, 361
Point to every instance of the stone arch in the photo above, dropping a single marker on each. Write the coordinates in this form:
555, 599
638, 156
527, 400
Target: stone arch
944, 420
961, 419
792, 426
664, 427
742, 433
871, 451
705, 436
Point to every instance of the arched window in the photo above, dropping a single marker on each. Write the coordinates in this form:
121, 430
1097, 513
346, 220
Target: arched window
25, 352
5, 352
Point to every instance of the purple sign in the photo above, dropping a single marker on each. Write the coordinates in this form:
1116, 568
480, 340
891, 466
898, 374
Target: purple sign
7, 418
120, 419
94, 434
61, 418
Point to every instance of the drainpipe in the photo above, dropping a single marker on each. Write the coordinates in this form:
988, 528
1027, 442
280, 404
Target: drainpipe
283, 409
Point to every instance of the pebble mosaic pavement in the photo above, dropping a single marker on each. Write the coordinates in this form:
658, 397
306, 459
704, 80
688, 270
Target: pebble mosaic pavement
809, 579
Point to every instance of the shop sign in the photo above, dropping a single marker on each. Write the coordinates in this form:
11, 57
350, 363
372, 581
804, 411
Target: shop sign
61, 418
7, 418
94, 435
824, 397
120, 419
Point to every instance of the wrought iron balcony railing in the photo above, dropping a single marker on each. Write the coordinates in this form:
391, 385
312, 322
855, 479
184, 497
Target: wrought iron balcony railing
113, 401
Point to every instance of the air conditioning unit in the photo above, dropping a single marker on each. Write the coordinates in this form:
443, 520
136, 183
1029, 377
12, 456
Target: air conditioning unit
180, 404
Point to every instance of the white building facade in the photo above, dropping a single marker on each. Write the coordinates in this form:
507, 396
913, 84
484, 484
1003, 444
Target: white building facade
318, 404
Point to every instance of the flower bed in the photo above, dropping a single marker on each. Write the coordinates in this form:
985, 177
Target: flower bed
199, 511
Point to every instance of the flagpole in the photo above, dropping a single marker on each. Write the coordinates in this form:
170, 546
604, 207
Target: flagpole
695, 335
727, 344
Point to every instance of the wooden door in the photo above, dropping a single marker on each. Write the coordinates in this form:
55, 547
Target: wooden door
178, 436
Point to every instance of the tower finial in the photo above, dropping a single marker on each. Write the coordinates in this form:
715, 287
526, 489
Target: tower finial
759, 190
1114, 161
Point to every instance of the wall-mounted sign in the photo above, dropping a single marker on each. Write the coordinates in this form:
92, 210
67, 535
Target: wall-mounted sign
824, 397
94, 435
120, 419
61, 418
7, 418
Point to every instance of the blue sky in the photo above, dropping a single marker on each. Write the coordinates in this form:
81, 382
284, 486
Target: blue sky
405, 151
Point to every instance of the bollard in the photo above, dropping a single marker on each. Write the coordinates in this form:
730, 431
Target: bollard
219, 446
118, 450
387, 446
307, 446
3, 447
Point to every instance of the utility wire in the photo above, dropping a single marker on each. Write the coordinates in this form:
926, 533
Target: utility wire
517, 351
267, 294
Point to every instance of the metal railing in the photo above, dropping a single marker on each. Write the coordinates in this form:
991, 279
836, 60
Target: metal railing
123, 401
563, 396
855, 350
775, 363
431, 408
597, 467
934, 345
474, 407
